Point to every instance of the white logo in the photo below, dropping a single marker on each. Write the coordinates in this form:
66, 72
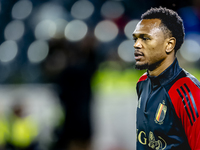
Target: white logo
139, 102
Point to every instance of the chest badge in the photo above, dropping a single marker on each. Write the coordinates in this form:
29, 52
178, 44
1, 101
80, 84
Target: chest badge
161, 113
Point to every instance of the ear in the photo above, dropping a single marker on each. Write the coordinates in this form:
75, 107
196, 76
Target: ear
171, 42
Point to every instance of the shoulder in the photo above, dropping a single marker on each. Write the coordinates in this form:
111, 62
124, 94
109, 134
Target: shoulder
140, 85
185, 94
143, 77
186, 82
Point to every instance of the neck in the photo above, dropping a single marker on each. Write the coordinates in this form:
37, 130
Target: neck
162, 66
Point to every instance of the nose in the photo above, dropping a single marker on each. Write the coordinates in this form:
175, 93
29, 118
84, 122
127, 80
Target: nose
137, 44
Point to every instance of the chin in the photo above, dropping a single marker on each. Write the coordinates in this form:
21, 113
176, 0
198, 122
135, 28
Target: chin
151, 67
141, 66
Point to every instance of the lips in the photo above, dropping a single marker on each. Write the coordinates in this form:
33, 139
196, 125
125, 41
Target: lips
138, 55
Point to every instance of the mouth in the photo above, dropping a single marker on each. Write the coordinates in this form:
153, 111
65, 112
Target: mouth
138, 55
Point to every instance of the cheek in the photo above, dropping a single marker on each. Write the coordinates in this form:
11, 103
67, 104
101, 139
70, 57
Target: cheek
155, 52
157, 47
155, 44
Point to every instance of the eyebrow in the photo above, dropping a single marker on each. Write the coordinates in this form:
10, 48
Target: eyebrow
140, 35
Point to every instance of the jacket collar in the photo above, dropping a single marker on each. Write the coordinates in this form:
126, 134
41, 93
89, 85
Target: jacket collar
167, 75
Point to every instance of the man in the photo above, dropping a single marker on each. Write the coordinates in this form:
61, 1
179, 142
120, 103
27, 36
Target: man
168, 96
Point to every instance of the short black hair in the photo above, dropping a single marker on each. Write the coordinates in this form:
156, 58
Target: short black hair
171, 20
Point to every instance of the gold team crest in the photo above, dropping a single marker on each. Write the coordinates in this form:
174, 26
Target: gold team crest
160, 113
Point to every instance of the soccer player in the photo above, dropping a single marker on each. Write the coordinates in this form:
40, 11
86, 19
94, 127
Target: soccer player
168, 96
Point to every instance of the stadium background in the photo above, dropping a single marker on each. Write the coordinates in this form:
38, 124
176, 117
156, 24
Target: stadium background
67, 77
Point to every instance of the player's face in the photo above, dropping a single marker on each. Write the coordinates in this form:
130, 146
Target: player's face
150, 44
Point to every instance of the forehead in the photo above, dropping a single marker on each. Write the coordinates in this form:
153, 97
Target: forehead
148, 26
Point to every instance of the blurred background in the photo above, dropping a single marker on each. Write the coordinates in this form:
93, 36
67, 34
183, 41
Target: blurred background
67, 77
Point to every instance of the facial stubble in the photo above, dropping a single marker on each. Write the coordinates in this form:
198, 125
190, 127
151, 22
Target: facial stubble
147, 66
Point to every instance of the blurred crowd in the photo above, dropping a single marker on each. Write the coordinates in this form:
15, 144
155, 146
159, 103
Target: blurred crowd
67, 71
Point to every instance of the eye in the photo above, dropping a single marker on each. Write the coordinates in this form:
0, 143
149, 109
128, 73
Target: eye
145, 38
135, 39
